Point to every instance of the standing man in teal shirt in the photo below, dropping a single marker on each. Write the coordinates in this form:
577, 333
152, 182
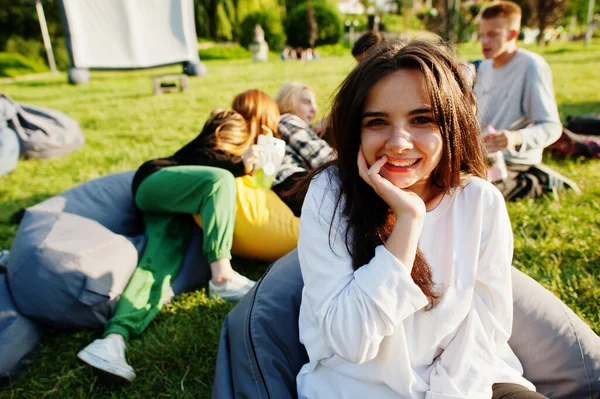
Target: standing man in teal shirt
515, 97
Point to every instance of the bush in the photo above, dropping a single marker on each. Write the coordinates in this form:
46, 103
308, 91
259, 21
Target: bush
329, 25
333, 50
397, 23
31, 49
223, 28
271, 24
34, 51
12, 65
224, 53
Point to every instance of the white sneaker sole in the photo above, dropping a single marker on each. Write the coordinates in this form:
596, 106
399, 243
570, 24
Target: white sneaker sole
114, 372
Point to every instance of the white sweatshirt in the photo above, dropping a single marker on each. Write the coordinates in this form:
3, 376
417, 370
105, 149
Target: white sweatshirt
365, 331
519, 96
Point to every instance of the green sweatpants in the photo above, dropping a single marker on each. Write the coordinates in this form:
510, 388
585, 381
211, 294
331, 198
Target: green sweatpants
168, 198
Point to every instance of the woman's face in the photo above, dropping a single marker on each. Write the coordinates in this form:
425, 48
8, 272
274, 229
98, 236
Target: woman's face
398, 121
306, 108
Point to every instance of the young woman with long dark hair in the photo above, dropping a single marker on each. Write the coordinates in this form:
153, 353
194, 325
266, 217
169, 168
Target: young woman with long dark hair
405, 248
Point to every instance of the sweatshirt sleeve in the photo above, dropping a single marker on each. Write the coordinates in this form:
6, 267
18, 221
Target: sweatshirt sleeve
354, 310
540, 107
469, 365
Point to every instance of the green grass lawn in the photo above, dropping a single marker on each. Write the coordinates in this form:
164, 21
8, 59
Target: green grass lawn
556, 240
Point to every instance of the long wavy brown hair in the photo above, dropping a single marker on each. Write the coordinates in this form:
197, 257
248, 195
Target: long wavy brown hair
370, 219
259, 109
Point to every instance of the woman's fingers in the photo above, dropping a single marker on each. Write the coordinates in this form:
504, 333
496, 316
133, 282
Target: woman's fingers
363, 168
376, 167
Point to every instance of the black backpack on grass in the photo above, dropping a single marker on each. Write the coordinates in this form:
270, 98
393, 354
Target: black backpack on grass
588, 125
580, 138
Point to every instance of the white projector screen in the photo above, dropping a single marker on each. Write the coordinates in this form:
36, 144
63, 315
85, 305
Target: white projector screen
128, 34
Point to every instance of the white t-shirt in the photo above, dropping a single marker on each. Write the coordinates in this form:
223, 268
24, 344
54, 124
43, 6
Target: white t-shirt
365, 331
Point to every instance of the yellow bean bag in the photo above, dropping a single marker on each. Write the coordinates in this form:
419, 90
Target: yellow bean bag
265, 228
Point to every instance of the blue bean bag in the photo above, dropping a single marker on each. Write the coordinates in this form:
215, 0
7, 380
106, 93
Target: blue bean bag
260, 353
18, 336
9, 150
42, 132
74, 253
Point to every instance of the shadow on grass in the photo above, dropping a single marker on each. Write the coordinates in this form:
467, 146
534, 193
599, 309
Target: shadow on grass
174, 357
46, 83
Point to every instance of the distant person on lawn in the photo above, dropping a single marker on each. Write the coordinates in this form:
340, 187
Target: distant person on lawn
305, 149
365, 42
515, 96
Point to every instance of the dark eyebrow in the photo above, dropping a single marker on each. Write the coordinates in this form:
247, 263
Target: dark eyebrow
420, 111
372, 114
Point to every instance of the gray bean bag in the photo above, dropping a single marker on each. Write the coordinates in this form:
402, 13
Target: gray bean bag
18, 335
260, 353
42, 132
74, 253
9, 150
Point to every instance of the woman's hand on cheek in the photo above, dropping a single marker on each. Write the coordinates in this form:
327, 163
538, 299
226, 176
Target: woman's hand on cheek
404, 203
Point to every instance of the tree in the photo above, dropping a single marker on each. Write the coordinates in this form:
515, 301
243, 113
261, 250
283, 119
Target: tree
311, 22
18, 18
549, 13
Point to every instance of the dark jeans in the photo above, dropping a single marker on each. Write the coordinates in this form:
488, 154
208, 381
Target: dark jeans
513, 391
523, 181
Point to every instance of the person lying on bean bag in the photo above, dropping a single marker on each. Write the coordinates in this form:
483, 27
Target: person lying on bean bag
197, 179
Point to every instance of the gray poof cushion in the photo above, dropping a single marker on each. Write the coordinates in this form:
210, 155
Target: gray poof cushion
45, 133
65, 269
9, 150
70, 259
560, 354
107, 200
260, 353
18, 335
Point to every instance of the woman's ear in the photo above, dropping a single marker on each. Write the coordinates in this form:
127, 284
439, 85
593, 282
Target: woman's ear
514, 34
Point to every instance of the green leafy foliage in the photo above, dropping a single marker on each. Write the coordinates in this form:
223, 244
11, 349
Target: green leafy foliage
329, 25
271, 24
35, 51
223, 26
224, 53
12, 65
399, 23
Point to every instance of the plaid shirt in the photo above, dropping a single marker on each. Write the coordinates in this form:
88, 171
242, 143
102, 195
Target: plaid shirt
304, 150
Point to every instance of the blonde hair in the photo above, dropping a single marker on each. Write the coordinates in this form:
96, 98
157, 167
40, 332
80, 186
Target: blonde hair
289, 95
225, 134
259, 109
503, 9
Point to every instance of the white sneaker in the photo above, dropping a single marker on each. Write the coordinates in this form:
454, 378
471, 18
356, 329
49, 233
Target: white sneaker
233, 289
108, 356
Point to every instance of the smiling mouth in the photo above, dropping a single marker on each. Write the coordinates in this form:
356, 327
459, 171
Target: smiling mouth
402, 163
